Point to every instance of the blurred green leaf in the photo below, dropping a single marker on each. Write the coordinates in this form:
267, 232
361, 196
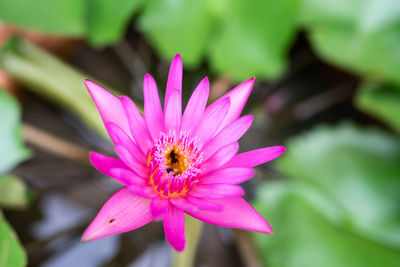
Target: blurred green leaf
357, 171
101, 21
66, 17
245, 38
254, 38
324, 12
381, 101
180, 26
361, 35
13, 192
12, 253
12, 149
108, 19
303, 237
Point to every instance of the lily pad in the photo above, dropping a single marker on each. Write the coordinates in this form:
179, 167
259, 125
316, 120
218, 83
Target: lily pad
356, 171
240, 38
361, 35
339, 205
181, 26
304, 237
254, 38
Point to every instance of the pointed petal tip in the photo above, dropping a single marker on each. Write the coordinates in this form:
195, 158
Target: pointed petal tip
87, 82
263, 228
176, 63
92, 86
271, 231
93, 157
178, 57
250, 82
84, 239
281, 150
148, 77
179, 247
205, 82
249, 117
89, 235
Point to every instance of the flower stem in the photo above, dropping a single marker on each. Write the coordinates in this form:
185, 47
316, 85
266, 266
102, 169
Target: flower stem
193, 228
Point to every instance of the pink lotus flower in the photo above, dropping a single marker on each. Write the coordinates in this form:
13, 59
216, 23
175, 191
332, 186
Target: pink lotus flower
171, 164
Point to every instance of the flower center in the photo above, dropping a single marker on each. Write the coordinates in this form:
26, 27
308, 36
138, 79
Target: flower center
176, 162
174, 165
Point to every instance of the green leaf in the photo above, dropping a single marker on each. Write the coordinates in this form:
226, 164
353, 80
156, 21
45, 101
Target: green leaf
381, 101
13, 192
359, 35
103, 22
65, 17
254, 38
12, 149
241, 38
304, 237
181, 26
324, 12
357, 172
12, 253
108, 19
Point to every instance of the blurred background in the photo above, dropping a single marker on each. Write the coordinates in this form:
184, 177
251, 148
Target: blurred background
328, 88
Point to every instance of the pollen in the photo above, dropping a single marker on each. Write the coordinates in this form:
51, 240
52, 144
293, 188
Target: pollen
174, 165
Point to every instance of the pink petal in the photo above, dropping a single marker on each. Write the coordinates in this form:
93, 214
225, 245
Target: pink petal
231, 133
109, 106
144, 191
123, 212
105, 163
127, 177
236, 213
211, 120
220, 157
137, 125
152, 107
238, 97
174, 79
255, 157
204, 204
215, 191
159, 206
195, 107
227, 176
119, 137
135, 165
173, 112
174, 228
183, 204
